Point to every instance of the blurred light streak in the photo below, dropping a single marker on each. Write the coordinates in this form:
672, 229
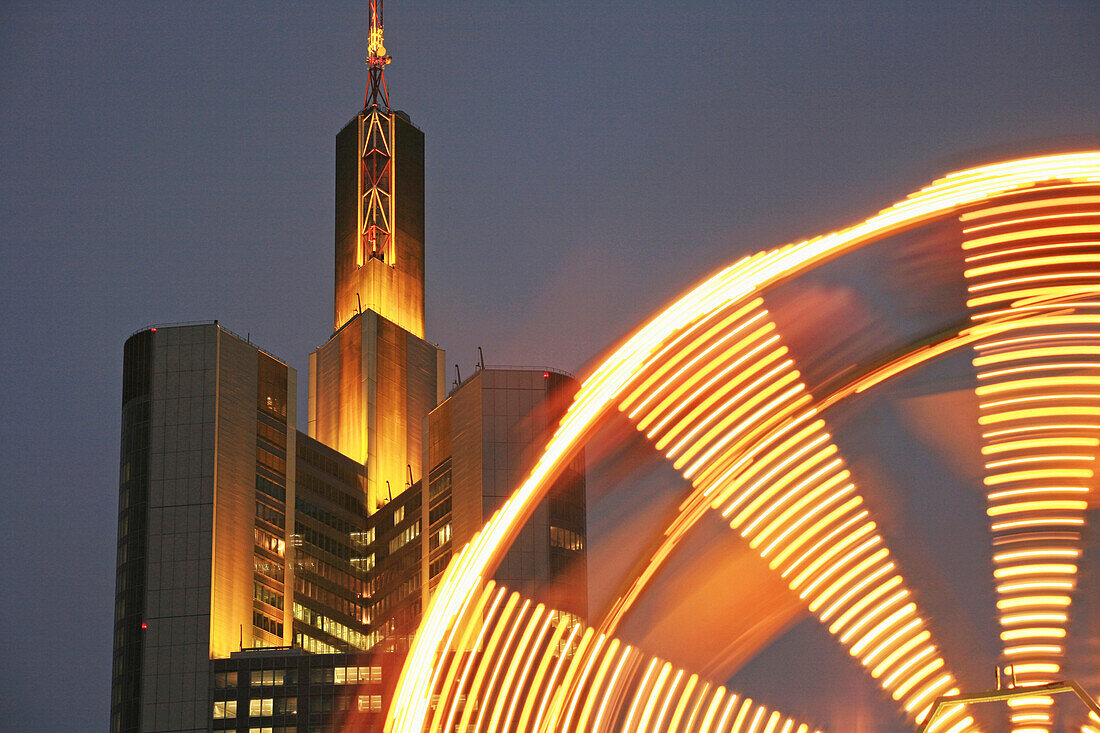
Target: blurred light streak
749, 275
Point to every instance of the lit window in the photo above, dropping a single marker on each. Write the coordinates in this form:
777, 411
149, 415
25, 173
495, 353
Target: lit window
370, 703
364, 563
261, 706
227, 709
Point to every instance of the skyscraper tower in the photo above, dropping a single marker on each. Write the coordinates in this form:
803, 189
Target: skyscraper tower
374, 382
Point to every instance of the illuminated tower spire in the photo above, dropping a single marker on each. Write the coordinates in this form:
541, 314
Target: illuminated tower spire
377, 95
376, 153
380, 204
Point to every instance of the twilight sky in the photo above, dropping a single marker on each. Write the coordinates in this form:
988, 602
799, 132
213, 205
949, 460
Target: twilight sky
164, 162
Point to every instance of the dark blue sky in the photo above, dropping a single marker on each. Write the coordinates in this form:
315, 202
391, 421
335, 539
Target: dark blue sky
168, 162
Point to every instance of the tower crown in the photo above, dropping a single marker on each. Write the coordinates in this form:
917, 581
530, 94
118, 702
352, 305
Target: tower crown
380, 204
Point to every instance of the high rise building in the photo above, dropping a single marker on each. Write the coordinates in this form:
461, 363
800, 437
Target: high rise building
204, 494
269, 579
483, 440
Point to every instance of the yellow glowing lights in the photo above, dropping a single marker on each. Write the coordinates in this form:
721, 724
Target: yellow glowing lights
912, 671
1032, 379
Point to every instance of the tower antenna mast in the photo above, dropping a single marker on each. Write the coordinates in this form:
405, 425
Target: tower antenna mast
377, 95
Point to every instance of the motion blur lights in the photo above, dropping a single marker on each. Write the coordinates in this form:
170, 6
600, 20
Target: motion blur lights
914, 674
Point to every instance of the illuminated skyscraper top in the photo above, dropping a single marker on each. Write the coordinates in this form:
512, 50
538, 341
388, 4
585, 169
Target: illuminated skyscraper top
380, 204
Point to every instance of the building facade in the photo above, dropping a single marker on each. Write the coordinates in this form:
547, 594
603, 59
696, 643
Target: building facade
205, 491
483, 441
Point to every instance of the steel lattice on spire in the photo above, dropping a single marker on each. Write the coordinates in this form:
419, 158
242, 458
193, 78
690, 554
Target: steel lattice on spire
377, 95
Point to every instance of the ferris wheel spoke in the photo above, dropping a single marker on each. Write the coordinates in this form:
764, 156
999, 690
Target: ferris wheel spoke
573, 678
1035, 254
727, 405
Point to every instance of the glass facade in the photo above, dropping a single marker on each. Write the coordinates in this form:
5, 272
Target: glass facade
269, 591
395, 588
330, 548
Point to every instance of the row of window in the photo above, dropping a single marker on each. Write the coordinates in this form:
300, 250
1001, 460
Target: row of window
266, 458
265, 623
271, 677
439, 485
566, 539
363, 538
355, 675
257, 707
325, 517
267, 707
440, 537
314, 646
308, 564
271, 433
438, 565
439, 511
269, 487
406, 536
271, 515
268, 568
267, 541
317, 676
266, 595
326, 597
329, 626
365, 564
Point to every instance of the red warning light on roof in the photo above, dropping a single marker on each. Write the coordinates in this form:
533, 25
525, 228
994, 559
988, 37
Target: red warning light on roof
153, 329
144, 625
546, 375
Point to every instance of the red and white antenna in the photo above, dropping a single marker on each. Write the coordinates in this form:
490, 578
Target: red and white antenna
377, 95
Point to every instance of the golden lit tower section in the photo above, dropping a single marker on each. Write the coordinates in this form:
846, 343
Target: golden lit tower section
380, 205
374, 382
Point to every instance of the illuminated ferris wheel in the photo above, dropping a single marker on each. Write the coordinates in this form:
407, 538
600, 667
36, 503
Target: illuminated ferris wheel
743, 399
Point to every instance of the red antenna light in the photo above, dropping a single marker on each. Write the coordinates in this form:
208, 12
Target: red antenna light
377, 59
